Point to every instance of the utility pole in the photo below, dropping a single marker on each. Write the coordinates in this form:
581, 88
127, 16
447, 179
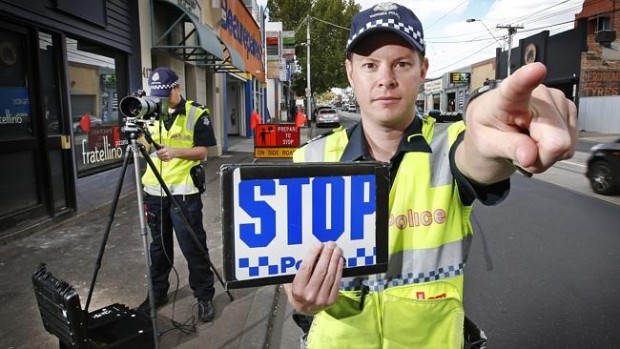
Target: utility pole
308, 89
512, 30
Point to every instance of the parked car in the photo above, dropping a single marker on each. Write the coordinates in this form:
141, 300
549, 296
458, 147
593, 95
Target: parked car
94, 122
327, 117
604, 168
316, 111
352, 108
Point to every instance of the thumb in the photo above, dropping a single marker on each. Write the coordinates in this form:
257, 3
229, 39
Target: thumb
519, 148
518, 87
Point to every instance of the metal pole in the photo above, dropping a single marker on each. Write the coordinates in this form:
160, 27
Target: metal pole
509, 51
308, 88
511, 31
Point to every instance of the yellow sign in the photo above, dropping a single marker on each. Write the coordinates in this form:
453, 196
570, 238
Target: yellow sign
273, 152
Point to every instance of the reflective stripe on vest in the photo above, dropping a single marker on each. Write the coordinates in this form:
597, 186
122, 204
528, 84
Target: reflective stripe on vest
422, 265
176, 172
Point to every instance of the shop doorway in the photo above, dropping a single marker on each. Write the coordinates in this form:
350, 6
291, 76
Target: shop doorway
36, 181
233, 114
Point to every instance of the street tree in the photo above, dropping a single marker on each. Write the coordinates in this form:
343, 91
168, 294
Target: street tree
329, 22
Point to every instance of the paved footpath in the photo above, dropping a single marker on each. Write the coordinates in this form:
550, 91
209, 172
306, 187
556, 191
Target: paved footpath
70, 252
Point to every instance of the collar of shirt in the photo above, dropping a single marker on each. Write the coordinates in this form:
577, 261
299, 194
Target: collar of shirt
412, 140
180, 109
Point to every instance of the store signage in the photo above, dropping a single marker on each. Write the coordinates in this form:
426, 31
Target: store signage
288, 44
269, 137
14, 106
272, 214
104, 144
433, 86
460, 78
241, 33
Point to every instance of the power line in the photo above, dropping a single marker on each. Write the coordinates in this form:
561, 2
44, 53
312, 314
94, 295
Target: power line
332, 24
461, 59
445, 15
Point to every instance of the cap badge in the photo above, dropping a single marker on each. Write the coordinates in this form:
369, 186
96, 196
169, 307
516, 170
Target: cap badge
385, 7
155, 77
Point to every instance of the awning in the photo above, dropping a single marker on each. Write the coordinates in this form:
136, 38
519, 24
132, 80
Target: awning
181, 33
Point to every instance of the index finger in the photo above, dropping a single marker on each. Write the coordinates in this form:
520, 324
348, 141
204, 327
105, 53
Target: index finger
518, 87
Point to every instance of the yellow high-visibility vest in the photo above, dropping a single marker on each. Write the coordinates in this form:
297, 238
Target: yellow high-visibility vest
417, 303
176, 172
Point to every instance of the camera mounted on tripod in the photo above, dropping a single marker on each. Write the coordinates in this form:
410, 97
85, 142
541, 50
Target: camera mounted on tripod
139, 110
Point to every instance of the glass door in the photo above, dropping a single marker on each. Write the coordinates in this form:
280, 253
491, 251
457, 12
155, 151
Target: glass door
21, 176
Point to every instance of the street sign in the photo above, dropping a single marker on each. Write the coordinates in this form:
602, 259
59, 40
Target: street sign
273, 213
275, 140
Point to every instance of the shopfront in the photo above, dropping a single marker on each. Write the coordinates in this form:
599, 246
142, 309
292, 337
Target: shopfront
184, 33
242, 35
63, 68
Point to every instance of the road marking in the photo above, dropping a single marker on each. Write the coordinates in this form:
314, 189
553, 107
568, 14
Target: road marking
573, 163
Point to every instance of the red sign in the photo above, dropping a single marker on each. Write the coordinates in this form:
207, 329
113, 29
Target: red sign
276, 136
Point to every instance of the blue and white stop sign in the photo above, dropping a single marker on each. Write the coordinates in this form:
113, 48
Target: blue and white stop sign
272, 214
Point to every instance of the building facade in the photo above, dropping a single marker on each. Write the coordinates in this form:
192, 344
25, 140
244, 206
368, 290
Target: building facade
66, 64
599, 87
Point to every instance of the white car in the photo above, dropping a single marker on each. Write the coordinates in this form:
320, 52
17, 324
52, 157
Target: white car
327, 117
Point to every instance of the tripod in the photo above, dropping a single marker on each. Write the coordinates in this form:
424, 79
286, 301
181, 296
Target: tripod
136, 149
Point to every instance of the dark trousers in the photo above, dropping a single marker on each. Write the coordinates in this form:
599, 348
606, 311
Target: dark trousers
162, 217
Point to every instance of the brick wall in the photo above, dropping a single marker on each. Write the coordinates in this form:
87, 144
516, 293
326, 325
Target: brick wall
600, 72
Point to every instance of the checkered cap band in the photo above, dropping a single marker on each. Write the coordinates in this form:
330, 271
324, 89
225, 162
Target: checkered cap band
165, 87
387, 17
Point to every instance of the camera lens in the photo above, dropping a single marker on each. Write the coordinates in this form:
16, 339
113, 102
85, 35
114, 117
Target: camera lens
132, 106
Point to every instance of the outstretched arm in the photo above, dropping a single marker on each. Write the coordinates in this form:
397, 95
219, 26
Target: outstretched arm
521, 122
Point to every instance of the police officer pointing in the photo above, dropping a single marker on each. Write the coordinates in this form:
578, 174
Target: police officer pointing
418, 302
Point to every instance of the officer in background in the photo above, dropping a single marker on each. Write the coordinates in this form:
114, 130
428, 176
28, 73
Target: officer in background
418, 302
184, 133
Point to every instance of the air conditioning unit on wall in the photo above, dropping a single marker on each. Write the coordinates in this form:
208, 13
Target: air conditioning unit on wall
605, 37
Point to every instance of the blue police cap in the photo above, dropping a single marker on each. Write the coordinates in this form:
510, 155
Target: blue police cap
387, 16
161, 81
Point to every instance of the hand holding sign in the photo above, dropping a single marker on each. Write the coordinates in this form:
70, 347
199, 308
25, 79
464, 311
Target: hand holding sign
317, 281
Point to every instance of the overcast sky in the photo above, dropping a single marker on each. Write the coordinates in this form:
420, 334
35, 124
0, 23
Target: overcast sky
452, 43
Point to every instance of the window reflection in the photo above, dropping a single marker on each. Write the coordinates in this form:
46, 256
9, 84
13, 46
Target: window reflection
93, 87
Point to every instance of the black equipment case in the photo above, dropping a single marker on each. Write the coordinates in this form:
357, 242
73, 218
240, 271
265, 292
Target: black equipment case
114, 326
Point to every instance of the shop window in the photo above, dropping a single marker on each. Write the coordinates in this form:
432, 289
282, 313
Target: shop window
15, 113
94, 95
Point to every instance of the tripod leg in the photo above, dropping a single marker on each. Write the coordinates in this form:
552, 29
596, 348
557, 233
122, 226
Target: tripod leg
183, 218
143, 232
104, 241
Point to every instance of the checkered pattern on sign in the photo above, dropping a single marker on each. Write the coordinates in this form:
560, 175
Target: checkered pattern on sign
416, 35
254, 269
362, 257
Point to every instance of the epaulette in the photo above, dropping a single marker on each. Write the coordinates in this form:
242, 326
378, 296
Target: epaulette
201, 106
196, 104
